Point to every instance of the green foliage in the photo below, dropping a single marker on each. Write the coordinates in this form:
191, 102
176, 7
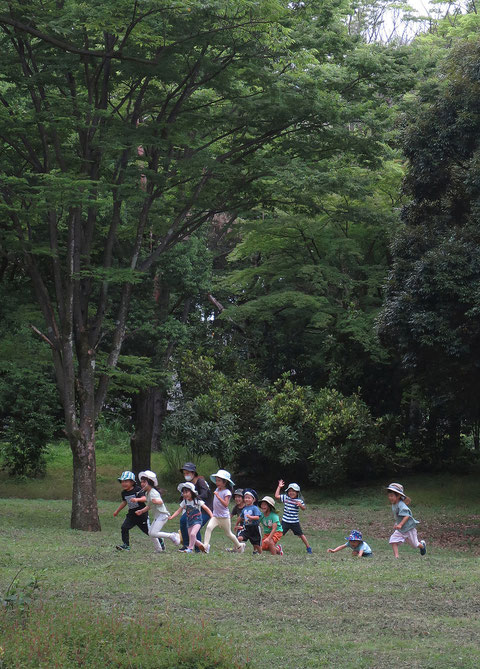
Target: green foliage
18, 598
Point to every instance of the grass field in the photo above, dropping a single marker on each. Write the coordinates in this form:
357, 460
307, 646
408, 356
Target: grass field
97, 607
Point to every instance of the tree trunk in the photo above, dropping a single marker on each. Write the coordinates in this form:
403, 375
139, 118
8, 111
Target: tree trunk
149, 409
84, 493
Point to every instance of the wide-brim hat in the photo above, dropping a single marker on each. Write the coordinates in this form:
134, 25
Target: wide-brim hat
188, 485
148, 474
293, 486
126, 476
252, 492
269, 500
398, 488
355, 535
189, 467
222, 474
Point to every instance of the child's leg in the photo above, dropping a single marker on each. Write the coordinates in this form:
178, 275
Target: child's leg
226, 527
127, 525
212, 524
304, 539
184, 529
395, 549
156, 527
192, 531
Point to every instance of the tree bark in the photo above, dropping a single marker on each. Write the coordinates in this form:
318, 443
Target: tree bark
84, 493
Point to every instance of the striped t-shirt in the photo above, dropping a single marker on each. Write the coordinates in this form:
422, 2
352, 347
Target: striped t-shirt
290, 510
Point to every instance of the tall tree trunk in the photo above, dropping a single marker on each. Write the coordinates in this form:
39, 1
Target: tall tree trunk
84, 493
149, 409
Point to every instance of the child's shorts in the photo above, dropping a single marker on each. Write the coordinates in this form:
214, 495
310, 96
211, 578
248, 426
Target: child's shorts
400, 537
276, 536
295, 527
251, 533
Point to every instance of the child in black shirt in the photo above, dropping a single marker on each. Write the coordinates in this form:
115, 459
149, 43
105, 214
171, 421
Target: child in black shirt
130, 491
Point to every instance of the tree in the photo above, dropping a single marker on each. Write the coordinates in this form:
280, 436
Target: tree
125, 127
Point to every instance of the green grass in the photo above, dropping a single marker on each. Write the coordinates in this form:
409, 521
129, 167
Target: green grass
295, 611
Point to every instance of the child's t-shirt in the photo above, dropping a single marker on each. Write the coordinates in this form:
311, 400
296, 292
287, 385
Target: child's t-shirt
400, 510
252, 511
267, 522
220, 511
290, 510
156, 509
128, 495
193, 510
362, 547
236, 510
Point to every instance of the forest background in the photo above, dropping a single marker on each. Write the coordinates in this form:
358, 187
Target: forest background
247, 230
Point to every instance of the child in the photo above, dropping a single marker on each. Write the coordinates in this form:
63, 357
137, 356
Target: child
250, 515
405, 524
354, 541
192, 506
292, 502
190, 474
130, 491
239, 505
221, 514
272, 528
153, 500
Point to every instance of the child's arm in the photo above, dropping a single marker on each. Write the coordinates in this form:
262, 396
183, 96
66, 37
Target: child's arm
122, 506
207, 510
176, 513
250, 517
300, 504
224, 502
281, 483
399, 525
138, 500
338, 548
360, 553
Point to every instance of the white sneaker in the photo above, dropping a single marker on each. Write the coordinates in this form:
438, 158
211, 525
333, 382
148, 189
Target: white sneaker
241, 548
175, 537
207, 548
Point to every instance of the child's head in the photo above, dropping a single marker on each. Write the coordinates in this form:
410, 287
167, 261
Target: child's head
148, 479
267, 505
293, 490
188, 490
249, 496
127, 480
238, 497
355, 538
222, 479
395, 493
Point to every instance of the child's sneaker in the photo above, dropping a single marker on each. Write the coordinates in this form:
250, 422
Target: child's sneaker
309, 550
207, 548
122, 547
423, 547
188, 550
256, 553
162, 543
280, 549
175, 537
241, 548
182, 549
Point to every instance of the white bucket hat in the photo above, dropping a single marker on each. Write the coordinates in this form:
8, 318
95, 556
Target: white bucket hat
269, 500
398, 488
148, 474
293, 486
222, 474
190, 486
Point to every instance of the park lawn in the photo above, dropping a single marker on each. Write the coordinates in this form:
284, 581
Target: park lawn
319, 611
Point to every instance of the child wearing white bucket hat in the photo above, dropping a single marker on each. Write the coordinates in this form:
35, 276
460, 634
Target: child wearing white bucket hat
192, 506
405, 528
292, 502
221, 514
154, 502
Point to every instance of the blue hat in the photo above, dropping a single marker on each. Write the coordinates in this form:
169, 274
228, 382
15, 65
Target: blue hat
126, 476
252, 492
355, 535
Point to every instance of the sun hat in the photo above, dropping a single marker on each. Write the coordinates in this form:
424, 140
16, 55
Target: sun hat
189, 467
269, 501
190, 486
293, 486
252, 492
354, 535
126, 476
148, 474
222, 474
398, 488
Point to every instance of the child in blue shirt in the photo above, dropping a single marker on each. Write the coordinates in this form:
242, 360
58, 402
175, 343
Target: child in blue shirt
250, 516
405, 528
355, 541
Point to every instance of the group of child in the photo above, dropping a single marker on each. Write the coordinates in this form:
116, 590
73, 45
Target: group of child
257, 520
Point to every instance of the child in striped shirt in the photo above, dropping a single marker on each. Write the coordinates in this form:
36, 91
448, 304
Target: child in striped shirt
292, 502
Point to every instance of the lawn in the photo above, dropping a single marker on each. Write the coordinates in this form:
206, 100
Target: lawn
98, 607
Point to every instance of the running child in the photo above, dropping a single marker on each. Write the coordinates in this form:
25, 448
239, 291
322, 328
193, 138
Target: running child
130, 491
239, 505
405, 528
355, 541
192, 506
221, 514
271, 526
154, 501
250, 515
292, 502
